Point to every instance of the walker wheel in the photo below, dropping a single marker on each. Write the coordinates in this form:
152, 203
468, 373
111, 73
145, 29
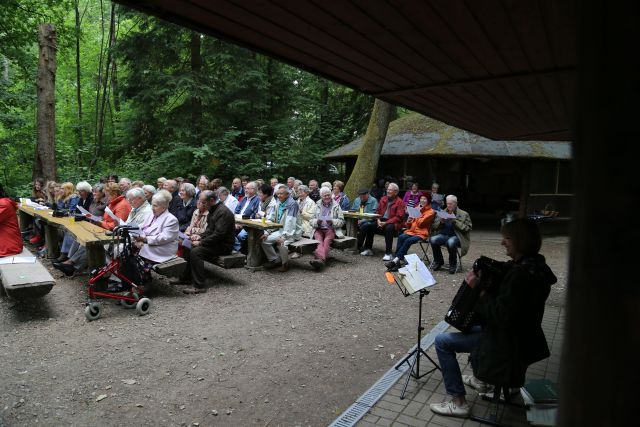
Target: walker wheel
92, 311
143, 306
130, 304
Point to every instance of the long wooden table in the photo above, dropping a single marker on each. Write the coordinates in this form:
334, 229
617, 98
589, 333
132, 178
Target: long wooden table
91, 236
351, 221
255, 228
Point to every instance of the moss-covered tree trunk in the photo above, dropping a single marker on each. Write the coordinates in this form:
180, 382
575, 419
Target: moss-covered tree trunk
364, 172
45, 160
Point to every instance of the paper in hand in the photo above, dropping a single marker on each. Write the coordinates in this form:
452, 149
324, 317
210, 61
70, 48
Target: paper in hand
85, 212
445, 215
115, 218
413, 212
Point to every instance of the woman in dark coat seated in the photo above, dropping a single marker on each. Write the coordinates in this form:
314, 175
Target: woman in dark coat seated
510, 336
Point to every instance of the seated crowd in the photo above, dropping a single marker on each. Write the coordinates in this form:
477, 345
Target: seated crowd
198, 222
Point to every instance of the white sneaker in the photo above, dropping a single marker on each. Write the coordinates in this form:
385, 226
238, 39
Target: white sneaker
387, 257
476, 384
367, 252
450, 409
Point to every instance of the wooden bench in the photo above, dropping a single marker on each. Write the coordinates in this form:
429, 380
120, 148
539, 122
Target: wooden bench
303, 246
175, 266
25, 281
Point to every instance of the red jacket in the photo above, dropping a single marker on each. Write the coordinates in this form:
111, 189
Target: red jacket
120, 208
10, 237
396, 212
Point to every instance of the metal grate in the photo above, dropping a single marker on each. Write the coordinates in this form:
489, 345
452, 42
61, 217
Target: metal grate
365, 402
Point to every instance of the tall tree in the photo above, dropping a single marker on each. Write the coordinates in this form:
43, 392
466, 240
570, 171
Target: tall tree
79, 126
364, 172
45, 160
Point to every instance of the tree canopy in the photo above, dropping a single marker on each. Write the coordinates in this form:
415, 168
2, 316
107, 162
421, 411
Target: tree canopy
141, 97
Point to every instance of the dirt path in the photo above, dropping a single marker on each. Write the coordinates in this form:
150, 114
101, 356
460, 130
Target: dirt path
262, 348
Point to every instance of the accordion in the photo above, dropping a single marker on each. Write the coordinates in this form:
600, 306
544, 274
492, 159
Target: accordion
461, 315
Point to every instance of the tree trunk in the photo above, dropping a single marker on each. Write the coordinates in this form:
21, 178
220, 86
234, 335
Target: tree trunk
45, 160
196, 68
79, 126
364, 172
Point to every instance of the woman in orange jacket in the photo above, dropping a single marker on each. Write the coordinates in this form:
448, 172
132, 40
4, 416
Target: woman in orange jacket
118, 204
417, 230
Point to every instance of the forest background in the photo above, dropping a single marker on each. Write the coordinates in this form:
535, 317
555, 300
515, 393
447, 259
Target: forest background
140, 97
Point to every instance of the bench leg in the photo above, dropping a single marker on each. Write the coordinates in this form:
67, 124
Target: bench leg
51, 241
95, 257
255, 256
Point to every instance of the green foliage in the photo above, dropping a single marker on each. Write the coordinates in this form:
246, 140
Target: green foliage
233, 112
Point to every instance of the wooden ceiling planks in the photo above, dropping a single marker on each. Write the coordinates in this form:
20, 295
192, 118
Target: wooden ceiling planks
500, 68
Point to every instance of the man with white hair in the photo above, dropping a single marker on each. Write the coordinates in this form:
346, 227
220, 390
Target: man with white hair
391, 210
451, 228
287, 214
125, 185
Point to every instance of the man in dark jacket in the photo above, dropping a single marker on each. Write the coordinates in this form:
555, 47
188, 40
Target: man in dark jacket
217, 239
510, 336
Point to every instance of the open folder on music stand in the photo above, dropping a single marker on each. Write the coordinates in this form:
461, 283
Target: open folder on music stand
412, 277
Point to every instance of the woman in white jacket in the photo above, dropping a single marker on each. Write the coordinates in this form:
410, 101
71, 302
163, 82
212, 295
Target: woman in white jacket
158, 239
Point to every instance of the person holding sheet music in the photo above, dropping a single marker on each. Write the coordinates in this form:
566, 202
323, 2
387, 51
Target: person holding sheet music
118, 206
509, 337
452, 228
158, 236
10, 237
417, 229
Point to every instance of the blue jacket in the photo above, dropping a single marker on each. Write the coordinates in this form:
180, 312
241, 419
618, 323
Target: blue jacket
69, 205
252, 209
370, 206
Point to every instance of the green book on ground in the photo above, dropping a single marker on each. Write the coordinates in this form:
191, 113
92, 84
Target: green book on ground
541, 390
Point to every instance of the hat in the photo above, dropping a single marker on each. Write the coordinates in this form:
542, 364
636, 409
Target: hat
363, 191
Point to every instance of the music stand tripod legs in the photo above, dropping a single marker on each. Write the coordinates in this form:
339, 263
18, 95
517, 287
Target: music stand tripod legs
414, 366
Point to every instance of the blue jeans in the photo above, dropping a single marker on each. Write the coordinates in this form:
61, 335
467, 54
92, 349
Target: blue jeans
404, 243
67, 242
452, 242
448, 344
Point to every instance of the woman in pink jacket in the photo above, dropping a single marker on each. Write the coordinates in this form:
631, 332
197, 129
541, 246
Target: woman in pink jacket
158, 239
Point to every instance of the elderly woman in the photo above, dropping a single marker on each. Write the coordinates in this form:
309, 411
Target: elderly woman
327, 223
158, 239
339, 196
198, 221
187, 204
149, 191
202, 184
267, 201
437, 199
275, 242
227, 199
308, 209
118, 205
160, 183
99, 202
417, 230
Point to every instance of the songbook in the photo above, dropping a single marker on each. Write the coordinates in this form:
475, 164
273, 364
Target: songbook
17, 260
445, 215
186, 241
88, 214
414, 276
114, 217
413, 212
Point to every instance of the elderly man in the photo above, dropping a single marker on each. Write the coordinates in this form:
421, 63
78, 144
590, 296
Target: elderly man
285, 213
125, 185
217, 239
451, 227
140, 208
314, 191
236, 189
273, 182
391, 210
247, 208
227, 199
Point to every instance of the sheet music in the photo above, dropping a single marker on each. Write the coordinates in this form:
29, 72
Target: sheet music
112, 215
17, 260
445, 215
415, 275
85, 212
413, 212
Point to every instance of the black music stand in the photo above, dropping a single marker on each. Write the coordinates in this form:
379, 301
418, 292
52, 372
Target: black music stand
414, 366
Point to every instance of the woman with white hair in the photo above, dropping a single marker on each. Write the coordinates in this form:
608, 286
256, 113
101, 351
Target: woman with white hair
201, 184
186, 206
308, 209
158, 239
84, 191
327, 223
149, 191
227, 199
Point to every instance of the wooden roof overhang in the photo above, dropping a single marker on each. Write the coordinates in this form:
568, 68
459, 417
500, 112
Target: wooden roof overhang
501, 69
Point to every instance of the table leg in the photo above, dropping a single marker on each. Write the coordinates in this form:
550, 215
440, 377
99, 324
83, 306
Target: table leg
352, 227
95, 257
25, 219
51, 241
255, 256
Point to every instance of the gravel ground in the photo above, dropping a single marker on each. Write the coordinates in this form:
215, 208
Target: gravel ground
259, 348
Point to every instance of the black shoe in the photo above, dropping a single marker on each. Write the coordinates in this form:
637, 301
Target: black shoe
452, 269
391, 266
271, 264
115, 286
67, 269
316, 264
436, 267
